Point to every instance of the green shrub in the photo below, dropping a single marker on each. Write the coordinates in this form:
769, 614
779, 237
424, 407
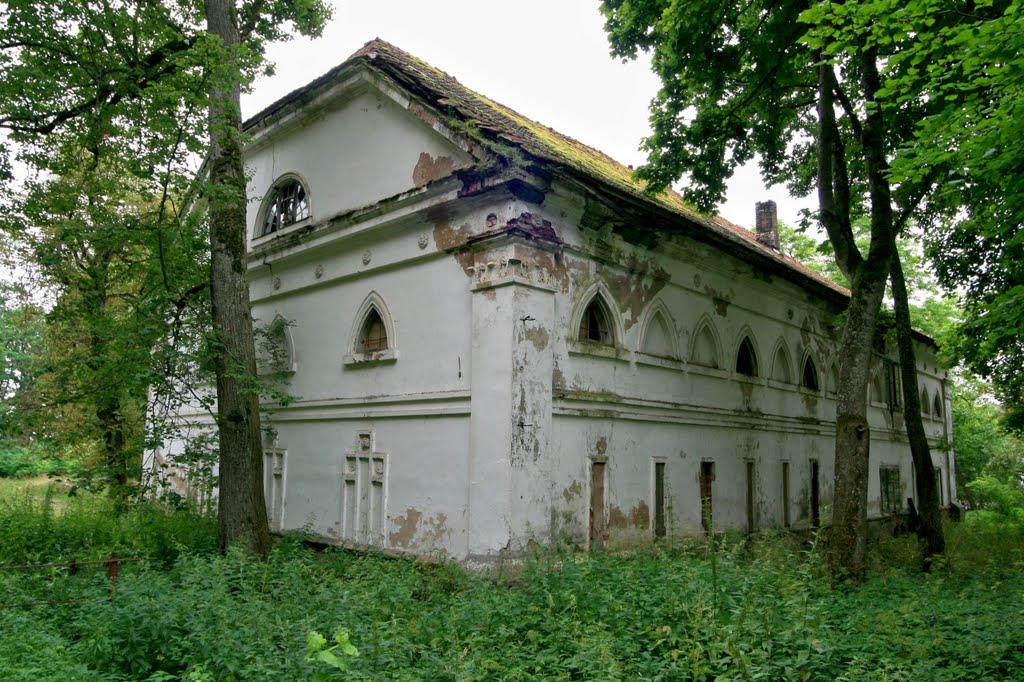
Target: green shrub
742, 608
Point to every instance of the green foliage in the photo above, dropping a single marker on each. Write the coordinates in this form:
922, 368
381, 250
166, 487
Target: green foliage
333, 656
990, 459
770, 613
18, 461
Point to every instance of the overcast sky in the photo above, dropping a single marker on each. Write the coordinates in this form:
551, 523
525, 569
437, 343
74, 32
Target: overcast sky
547, 59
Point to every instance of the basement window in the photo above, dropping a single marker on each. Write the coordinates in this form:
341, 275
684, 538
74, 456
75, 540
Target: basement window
288, 204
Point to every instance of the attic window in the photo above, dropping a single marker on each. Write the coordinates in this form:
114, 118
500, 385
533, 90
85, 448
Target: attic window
374, 336
288, 205
809, 380
746, 359
594, 325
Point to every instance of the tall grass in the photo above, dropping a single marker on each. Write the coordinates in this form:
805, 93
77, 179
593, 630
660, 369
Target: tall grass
770, 613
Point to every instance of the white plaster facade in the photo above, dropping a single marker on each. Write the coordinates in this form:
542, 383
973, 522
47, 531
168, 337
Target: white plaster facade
487, 423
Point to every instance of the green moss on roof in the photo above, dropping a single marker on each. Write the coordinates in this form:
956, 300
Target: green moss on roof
504, 124
512, 135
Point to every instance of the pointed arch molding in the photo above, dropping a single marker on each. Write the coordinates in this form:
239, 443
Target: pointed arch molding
782, 367
597, 290
705, 329
354, 355
650, 316
819, 379
758, 359
275, 348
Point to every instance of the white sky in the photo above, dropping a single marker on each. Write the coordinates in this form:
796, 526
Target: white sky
547, 59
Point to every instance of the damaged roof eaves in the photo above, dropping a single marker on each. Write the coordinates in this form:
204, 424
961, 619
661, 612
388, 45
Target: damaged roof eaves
506, 132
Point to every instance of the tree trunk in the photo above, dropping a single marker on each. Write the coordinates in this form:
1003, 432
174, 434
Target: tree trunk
848, 532
241, 508
930, 528
868, 276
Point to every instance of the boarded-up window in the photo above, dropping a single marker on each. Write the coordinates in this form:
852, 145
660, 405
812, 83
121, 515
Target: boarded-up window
891, 491
595, 324
746, 359
597, 518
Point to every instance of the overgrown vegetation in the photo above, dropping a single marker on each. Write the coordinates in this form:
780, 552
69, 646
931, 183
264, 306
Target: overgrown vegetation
763, 609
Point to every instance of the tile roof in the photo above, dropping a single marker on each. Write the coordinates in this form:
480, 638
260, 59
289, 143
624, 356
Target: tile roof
506, 128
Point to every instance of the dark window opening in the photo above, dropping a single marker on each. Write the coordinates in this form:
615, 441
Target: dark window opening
594, 326
659, 499
925, 403
785, 494
374, 336
751, 521
707, 477
892, 386
810, 375
937, 407
746, 360
288, 206
815, 495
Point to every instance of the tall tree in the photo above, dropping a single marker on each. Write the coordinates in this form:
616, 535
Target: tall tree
122, 70
741, 79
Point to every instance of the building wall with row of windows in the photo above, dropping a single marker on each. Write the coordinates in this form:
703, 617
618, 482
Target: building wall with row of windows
473, 370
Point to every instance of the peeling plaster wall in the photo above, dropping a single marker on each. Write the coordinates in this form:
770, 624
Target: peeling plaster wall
379, 149
477, 432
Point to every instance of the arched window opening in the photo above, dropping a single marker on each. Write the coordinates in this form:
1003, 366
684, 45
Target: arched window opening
374, 335
595, 324
705, 348
746, 359
937, 406
287, 206
925, 403
809, 380
780, 366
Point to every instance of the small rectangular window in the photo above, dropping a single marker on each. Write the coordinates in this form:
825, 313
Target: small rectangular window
707, 477
785, 494
815, 494
659, 499
751, 490
597, 518
891, 491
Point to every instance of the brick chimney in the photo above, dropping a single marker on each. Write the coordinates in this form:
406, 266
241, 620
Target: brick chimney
767, 225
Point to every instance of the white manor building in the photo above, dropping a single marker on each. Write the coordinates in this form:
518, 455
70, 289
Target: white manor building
496, 338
